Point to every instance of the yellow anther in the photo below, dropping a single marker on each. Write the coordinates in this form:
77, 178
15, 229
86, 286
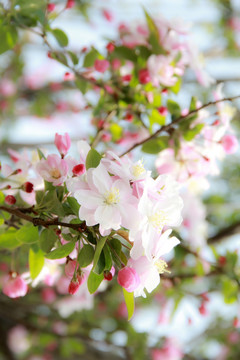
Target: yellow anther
112, 196
161, 266
55, 173
138, 169
158, 220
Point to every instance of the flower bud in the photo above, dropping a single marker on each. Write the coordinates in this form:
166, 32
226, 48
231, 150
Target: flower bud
144, 76
128, 278
62, 143
51, 7
101, 65
70, 4
110, 47
10, 200
27, 187
79, 169
70, 267
107, 275
73, 286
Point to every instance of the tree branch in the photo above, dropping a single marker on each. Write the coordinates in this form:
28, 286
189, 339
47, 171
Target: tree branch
168, 127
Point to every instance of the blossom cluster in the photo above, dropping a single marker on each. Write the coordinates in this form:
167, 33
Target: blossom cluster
118, 199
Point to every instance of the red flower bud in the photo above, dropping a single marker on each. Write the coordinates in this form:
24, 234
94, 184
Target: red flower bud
144, 76
73, 286
51, 7
79, 169
163, 110
222, 260
10, 200
107, 275
129, 117
70, 4
110, 47
28, 187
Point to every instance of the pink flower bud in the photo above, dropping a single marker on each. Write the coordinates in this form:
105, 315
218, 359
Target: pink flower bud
127, 77
129, 117
108, 15
62, 143
15, 286
27, 187
51, 7
229, 143
70, 268
70, 4
101, 65
110, 47
144, 76
128, 278
79, 169
73, 286
10, 200
163, 110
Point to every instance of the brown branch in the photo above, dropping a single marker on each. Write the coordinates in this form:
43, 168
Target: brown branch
229, 230
38, 221
168, 127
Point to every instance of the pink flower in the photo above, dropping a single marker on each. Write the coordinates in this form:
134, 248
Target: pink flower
161, 71
15, 286
128, 278
70, 268
144, 76
101, 65
53, 169
229, 143
170, 351
116, 63
63, 143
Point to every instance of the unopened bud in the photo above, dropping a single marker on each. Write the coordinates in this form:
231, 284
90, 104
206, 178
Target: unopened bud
10, 200
27, 187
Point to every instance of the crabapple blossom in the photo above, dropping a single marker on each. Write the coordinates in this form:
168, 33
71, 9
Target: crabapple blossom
14, 286
229, 143
161, 71
101, 65
53, 169
128, 278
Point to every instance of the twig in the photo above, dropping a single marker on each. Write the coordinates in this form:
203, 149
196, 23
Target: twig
176, 121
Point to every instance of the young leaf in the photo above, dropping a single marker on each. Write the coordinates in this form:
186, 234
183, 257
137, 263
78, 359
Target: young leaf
85, 256
74, 205
8, 239
28, 234
94, 280
93, 159
60, 36
100, 244
36, 261
62, 251
154, 146
90, 58
47, 240
129, 300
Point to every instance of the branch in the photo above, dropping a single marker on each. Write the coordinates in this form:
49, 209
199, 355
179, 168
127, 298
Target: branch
38, 221
229, 230
176, 121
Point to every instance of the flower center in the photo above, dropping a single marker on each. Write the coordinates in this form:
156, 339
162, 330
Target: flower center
112, 196
55, 173
138, 169
161, 266
158, 220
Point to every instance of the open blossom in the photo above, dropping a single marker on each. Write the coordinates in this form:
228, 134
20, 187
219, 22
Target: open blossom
161, 71
229, 143
128, 278
62, 143
53, 169
104, 200
149, 267
15, 286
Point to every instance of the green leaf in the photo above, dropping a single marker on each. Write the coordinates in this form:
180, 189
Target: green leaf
85, 256
122, 52
174, 108
73, 57
107, 257
82, 85
60, 36
154, 146
36, 261
191, 133
100, 244
62, 251
28, 234
8, 239
2, 197
93, 159
100, 266
230, 290
94, 280
8, 37
74, 205
90, 58
176, 88
129, 300
115, 248
41, 154
47, 240
154, 39
193, 104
